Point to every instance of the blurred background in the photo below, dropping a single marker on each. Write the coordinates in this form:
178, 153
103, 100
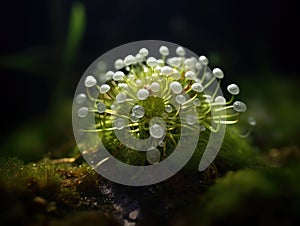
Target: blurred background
45, 47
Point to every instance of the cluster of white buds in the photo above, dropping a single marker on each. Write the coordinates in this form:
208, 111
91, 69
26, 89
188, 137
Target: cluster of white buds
143, 87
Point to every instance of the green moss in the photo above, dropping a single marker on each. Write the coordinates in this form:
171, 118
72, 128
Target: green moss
250, 197
235, 153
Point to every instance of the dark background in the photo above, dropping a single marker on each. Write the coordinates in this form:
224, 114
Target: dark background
249, 39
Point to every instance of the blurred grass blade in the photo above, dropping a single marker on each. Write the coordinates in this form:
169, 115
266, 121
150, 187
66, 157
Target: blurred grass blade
76, 30
21, 62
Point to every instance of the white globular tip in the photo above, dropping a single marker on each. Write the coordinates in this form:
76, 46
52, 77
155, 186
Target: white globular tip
218, 73
156, 131
203, 60
166, 70
123, 85
168, 108
189, 64
133, 118
176, 87
176, 75
197, 87
119, 75
138, 111
153, 156
191, 119
251, 121
101, 107
151, 62
129, 60
142, 94
144, 52
220, 100
90, 81
233, 89
82, 112
208, 76
180, 51
138, 58
109, 75
155, 87
180, 99
239, 106
138, 82
197, 102
104, 88
119, 63
198, 66
190, 75
80, 98
121, 98
161, 62
175, 61
119, 123
163, 50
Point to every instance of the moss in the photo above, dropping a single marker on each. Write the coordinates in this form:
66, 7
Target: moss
45, 188
235, 153
249, 197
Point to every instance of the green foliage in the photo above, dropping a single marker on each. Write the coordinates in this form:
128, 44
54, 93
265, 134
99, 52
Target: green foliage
76, 30
250, 197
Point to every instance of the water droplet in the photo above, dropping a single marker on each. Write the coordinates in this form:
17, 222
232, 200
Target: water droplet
197, 102
156, 131
239, 106
176, 87
119, 64
180, 51
220, 100
155, 87
190, 75
133, 118
166, 70
82, 112
203, 60
138, 82
163, 50
175, 61
104, 88
168, 108
90, 81
202, 128
138, 111
198, 66
197, 87
119, 123
80, 98
121, 98
142, 94
151, 61
153, 156
119, 75
129, 60
180, 99
144, 52
191, 119
218, 73
101, 107
233, 89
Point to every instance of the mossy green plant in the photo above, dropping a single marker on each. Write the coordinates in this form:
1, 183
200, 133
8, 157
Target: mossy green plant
177, 88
